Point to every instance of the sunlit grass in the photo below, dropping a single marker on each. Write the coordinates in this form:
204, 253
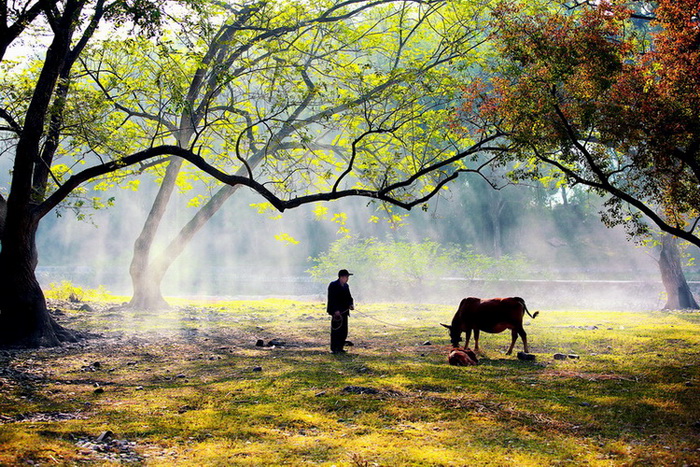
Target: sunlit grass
183, 385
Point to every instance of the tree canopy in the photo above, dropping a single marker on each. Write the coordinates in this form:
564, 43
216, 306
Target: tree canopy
609, 97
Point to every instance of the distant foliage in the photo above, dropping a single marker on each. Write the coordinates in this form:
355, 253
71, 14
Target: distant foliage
66, 290
418, 262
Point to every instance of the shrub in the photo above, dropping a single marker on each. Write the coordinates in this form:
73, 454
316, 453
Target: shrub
65, 290
413, 262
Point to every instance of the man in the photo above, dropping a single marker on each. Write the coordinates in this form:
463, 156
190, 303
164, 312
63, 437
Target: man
340, 303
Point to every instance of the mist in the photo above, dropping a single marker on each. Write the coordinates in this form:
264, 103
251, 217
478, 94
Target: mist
572, 260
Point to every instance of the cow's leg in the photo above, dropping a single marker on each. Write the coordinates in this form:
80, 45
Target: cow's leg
476, 340
514, 335
523, 336
467, 337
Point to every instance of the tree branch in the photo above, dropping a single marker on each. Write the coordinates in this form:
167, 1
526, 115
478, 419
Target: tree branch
130, 112
13, 125
353, 153
280, 204
605, 185
8, 34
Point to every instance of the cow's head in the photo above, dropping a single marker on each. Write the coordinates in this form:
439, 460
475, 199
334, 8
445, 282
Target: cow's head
455, 334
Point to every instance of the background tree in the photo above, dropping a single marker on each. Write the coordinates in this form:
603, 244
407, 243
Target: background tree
678, 292
393, 156
611, 105
289, 89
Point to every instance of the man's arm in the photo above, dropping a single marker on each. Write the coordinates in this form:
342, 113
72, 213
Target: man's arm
331, 306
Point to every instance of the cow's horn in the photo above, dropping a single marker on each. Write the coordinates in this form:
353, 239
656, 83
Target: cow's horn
446, 325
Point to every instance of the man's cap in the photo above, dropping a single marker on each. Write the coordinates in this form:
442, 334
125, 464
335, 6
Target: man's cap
344, 272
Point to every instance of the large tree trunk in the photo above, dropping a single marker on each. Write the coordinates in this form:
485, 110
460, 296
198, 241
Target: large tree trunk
146, 288
146, 293
677, 290
147, 275
24, 318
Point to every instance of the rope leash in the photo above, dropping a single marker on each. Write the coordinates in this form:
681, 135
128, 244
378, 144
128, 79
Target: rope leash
340, 321
379, 320
340, 324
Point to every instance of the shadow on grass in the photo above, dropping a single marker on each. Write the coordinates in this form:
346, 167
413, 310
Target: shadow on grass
205, 390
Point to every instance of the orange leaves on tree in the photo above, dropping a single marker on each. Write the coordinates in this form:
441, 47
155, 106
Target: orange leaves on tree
604, 93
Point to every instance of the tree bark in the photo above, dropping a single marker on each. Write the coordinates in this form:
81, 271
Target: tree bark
679, 294
3, 214
146, 288
24, 319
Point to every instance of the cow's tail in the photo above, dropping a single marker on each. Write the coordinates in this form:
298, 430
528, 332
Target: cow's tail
534, 315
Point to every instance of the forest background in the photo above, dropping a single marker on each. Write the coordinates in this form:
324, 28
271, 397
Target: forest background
547, 243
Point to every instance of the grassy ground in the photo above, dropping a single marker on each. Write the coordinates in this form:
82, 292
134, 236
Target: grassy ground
189, 386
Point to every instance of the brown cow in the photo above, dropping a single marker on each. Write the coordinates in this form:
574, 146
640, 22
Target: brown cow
494, 315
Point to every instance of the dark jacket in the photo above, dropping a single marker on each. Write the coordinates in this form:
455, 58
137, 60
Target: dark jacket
339, 298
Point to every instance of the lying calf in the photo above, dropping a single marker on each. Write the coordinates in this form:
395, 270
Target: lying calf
459, 357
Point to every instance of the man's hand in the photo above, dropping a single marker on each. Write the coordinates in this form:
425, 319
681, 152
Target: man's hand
337, 315
352, 307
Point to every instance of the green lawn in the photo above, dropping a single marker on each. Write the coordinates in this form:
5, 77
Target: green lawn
189, 386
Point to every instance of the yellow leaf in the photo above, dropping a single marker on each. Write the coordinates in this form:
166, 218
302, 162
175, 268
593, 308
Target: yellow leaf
262, 208
340, 218
286, 238
320, 211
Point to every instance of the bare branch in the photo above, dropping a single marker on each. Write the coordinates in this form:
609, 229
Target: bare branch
354, 153
13, 125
